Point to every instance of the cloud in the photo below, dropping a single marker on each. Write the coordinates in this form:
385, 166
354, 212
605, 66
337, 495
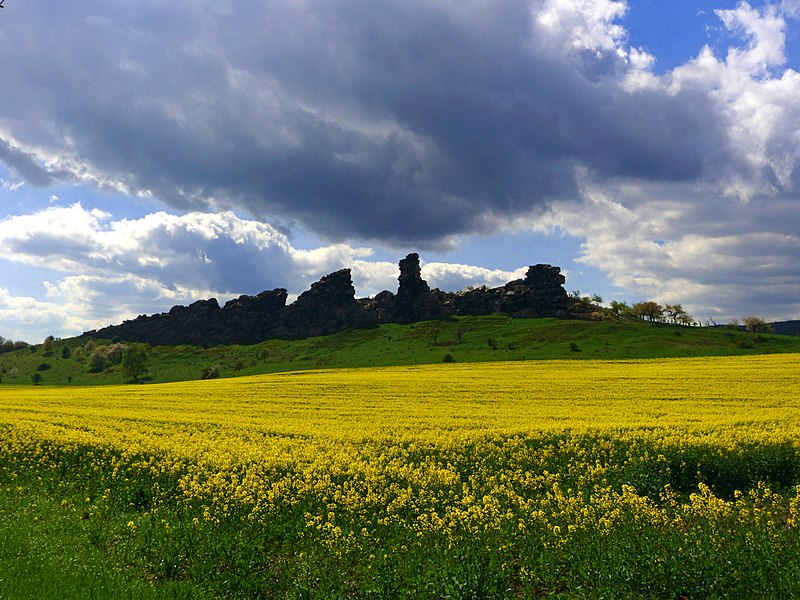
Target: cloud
24, 164
400, 121
406, 123
451, 277
111, 270
26, 318
720, 257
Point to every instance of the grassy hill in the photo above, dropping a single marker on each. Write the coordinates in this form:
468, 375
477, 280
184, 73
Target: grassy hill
466, 339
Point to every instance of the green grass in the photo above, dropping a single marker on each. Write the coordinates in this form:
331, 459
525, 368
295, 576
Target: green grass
54, 550
58, 545
466, 339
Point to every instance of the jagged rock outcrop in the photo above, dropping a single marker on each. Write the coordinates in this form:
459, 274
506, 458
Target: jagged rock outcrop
415, 301
330, 305
540, 294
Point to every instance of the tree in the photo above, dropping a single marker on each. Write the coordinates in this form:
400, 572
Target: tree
649, 310
135, 359
97, 362
620, 308
756, 325
676, 314
10, 345
103, 357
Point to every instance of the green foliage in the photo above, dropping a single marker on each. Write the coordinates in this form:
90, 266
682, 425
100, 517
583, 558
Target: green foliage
649, 311
10, 346
490, 338
135, 359
211, 372
103, 357
674, 313
96, 362
65, 552
68, 531
755, 324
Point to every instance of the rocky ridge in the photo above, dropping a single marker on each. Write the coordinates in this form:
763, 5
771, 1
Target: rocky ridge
330, 305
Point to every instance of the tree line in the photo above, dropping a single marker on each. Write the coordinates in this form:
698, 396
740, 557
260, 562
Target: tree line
10, 345
651, 311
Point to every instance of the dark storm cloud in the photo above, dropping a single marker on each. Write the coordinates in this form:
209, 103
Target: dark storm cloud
396, 120
25, 165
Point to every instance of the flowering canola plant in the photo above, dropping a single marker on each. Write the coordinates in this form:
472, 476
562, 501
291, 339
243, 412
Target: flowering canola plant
529, 473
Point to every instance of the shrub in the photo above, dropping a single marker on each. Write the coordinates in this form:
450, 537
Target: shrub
574, 347
756, 325
210, 372
447, 358
97, 362
43, 367
36, 378
105, 356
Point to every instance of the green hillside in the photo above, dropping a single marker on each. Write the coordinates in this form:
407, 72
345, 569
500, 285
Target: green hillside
465, 339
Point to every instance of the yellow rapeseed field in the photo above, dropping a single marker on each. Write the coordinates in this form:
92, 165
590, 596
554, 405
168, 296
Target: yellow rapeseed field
519, 454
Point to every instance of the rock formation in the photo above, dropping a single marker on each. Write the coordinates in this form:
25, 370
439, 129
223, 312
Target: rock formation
330, 306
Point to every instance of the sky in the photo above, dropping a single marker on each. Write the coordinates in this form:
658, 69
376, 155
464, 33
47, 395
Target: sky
155, 153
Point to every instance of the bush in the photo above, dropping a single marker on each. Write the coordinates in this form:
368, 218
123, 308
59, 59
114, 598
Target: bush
447, 358
96, 363
36, 378
47, 345
104, 356
43, 367
574, 347
210, 372
756, 325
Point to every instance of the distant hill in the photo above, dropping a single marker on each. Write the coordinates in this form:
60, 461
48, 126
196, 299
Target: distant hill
786, 327
458, 339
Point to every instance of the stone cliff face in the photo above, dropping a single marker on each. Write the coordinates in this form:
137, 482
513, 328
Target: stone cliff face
330, 306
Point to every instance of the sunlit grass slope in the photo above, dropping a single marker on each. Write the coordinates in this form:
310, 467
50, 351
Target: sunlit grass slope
468, 339
636, 478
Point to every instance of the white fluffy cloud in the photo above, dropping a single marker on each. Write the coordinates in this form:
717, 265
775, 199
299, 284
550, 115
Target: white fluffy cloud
115, 269
405, 123
720, 257
724, 244
28, 319
453, 277
583, 25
